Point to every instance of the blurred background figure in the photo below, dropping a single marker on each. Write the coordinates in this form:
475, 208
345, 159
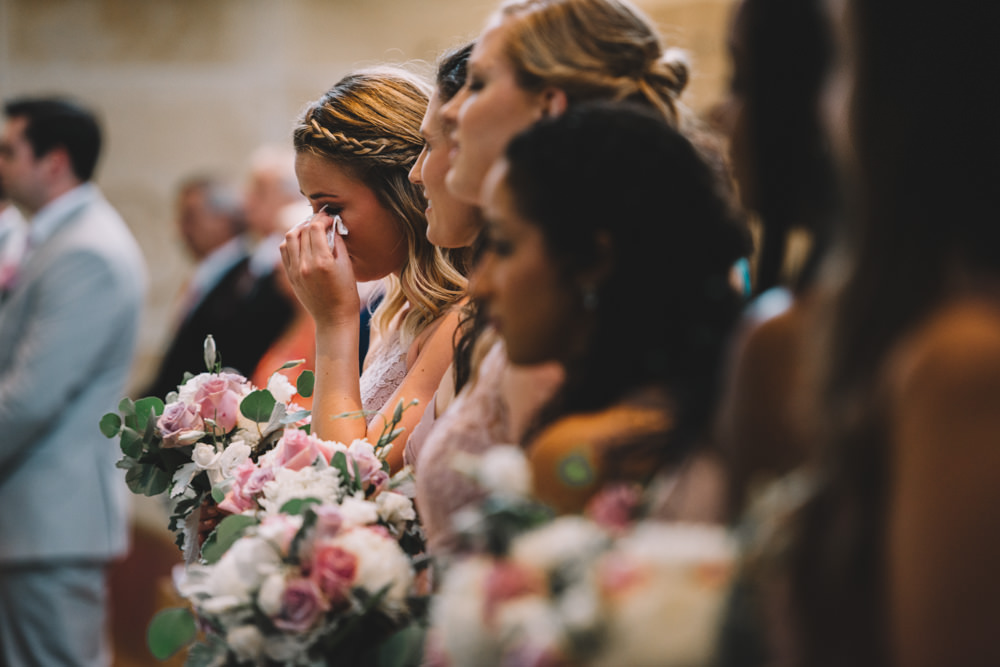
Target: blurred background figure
13, 234
68, 329
216, 298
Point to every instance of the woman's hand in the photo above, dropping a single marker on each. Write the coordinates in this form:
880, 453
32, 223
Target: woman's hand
323, 278
209, 518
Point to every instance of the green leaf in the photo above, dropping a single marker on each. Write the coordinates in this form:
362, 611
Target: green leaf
397, 413
218, 495
293, 417
146, 409
170, 631
110, 425
339, 462
228, 531
305, 383
292, 364
405, 648
131, 442
298, 505
148, 480
258, 405
126, 407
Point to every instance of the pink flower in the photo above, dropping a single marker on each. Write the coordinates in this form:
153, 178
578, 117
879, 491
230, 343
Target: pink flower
248, 482
615, 506
506, 581
297, 450
328, 521
180, 424
302, 605
369, 465
219, 398
333, 569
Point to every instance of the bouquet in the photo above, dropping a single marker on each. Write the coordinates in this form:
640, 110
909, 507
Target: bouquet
191, 444
608, 588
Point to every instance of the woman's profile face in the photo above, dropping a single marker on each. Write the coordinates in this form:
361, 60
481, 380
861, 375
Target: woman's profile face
487, 113
451, 222
534, 306
375, 241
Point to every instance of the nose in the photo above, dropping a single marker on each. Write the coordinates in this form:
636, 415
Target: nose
415, 170
481, 282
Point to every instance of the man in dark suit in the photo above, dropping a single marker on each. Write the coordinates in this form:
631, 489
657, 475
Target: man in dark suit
242, 311
68, 328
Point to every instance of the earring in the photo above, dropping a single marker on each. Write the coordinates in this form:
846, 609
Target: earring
590, 298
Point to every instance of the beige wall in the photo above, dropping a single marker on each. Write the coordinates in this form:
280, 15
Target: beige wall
194, 85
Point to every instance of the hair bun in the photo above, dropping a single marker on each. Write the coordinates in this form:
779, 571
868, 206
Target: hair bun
673, 70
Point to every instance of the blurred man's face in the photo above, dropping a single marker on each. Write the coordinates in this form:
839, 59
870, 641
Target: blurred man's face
23, 176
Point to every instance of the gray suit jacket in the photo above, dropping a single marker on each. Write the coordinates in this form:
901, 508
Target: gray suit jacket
67, 336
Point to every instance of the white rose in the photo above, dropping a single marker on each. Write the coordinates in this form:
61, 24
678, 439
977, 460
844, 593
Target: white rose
504, 469
381, 563
269, 596
246, 641
231, 458
395, 509
281, 388
243, 568
204, 456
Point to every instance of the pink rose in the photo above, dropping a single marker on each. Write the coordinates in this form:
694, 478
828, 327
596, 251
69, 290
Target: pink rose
333, 569
328, 521
180, 424
248, 483
302, 605
219, 398
369, 465
296, 450
615, 506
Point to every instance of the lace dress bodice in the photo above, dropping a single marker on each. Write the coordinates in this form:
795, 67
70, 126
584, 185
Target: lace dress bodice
384, 373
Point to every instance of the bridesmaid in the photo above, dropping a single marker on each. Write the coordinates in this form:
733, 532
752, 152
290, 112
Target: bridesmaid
354, 148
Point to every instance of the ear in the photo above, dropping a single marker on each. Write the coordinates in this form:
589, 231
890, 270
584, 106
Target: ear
57, 163
554, 102
603, 264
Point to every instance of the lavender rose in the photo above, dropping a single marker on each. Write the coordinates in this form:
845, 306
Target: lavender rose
180, 424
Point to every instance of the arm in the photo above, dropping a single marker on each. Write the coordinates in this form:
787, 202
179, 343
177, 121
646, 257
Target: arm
78, 310
944, 503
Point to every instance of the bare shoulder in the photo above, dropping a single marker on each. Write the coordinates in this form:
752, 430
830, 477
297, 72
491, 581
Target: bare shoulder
956, 349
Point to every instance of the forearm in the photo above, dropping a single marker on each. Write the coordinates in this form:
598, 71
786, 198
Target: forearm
337, 388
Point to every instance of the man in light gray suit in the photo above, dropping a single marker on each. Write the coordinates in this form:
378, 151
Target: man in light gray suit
68, 327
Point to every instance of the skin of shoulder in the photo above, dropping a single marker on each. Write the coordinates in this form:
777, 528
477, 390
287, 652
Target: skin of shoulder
944, 495
566, 458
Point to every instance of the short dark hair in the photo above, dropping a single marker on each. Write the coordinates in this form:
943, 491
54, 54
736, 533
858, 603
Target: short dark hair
59, 123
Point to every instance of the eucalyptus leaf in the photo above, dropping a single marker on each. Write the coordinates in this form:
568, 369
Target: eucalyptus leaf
170, 631
147, 409
305, 383
298, 505
296, 416
131, 442
126, 407
258, 405
110, 425
405, 648
218, 495
228, 531
148, 480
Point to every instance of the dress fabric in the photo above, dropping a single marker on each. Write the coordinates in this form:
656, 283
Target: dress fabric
386, 370
476, 419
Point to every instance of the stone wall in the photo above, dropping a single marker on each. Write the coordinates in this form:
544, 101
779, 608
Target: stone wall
195, 85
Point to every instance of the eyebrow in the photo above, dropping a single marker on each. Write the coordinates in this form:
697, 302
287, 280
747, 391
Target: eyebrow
319, 195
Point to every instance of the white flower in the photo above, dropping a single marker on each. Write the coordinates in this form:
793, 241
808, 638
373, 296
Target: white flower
381, 563
246, 641
563, 540
395, 509
232, 457
281, 388
457, 614
310, 482
530, 621
269, 596
358, 511
282, 647
504, 470
243, 568
205, 456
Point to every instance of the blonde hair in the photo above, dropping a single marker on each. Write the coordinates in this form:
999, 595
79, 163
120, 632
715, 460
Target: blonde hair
369, 123
593, 49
